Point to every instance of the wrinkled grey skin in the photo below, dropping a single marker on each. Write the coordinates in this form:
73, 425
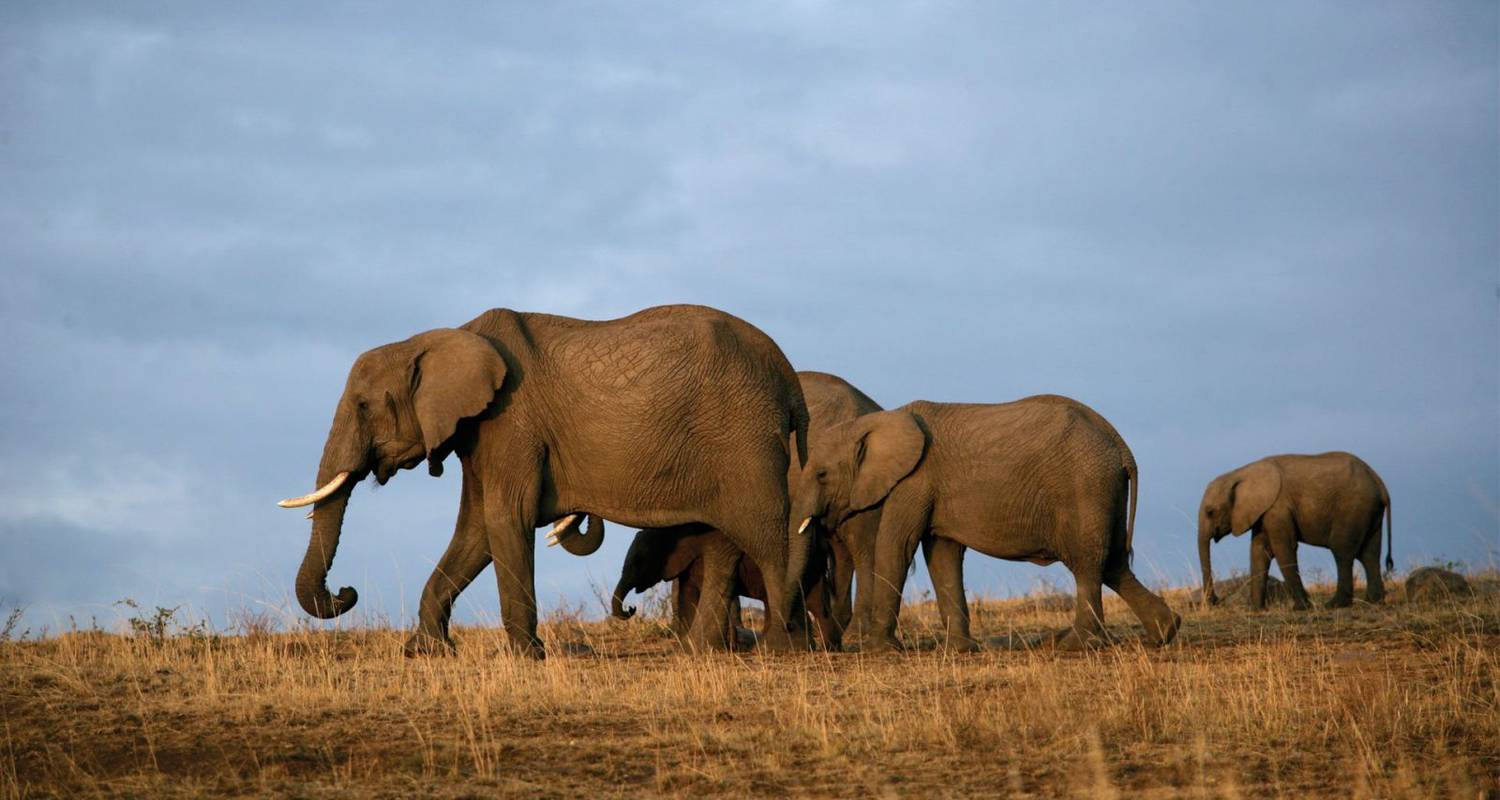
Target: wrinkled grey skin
649, 420
682, 555
1042, 479
1331, 500
831, 400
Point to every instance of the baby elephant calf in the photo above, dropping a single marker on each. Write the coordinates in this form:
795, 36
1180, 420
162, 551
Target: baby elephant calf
681, 555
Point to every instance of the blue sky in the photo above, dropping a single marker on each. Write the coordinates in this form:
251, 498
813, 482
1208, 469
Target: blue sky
1234, 229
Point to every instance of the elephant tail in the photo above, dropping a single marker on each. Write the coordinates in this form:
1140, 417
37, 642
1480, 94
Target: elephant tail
1133, 474
799, 424
1390, 561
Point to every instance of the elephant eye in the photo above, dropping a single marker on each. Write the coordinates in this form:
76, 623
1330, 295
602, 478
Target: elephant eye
822, 475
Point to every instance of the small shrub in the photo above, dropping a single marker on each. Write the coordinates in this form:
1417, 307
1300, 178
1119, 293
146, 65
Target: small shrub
12, 621
161, 624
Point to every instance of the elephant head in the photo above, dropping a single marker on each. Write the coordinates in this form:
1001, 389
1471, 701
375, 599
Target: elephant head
654, 556
401, 406
1233, 503
855, 465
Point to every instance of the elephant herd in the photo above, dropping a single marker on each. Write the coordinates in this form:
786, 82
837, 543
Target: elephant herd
746, 477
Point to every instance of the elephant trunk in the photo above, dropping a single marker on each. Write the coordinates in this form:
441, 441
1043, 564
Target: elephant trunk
617, 602
345, 451
312, 589
1205, 539
799, 550
580, 542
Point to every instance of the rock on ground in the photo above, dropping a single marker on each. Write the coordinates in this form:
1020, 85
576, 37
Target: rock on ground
1435, 584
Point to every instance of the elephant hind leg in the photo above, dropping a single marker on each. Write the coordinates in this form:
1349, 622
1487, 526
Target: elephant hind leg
1369, 557
1161, 621
709, 630
1088, 612
945, 566
1343, 596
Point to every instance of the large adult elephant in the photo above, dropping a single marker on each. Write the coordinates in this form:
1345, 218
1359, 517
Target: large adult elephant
1042, 479
670, 416
1333, 500
831, 400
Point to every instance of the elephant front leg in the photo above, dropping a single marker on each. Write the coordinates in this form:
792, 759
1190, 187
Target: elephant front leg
901, 528
859, 534
841, 593
945, 565
512, 540
820, 608
1283, 541
467, 555
1260, 568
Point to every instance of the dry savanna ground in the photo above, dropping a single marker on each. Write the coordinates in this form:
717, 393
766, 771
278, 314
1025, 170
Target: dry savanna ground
1398, 700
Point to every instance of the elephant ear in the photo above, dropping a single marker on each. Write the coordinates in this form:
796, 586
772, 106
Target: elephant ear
1255, 488
887, 446
455, 375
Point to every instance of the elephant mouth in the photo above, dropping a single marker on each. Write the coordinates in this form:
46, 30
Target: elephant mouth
408, 457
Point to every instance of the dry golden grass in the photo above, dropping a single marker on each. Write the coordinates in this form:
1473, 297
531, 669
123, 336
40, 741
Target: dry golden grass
1390, 701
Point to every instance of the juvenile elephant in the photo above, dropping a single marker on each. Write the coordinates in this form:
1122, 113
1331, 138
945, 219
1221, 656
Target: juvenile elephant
1331, 500
830, 400
658, 555
670, 416
1042, 479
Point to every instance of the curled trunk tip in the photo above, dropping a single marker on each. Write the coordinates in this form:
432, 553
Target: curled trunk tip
312, 587
617, 605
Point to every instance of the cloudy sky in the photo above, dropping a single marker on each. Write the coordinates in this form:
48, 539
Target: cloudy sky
1235, 230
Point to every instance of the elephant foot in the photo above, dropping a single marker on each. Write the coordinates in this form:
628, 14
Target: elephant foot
424, 645
1300, 605
709, 643
1339, 602
527, 648
744, 639
882, 644
1071, 640
961, 644
773, 640
1163, 634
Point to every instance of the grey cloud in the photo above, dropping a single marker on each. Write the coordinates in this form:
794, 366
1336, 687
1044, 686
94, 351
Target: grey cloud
1232, 230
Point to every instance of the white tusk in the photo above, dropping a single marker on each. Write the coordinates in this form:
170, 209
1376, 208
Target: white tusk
562, 524
308, 499
805, 523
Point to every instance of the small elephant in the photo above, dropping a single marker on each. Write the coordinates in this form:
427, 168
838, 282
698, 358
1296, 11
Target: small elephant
1331, 500
1042, 479
680, 556
553, 418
